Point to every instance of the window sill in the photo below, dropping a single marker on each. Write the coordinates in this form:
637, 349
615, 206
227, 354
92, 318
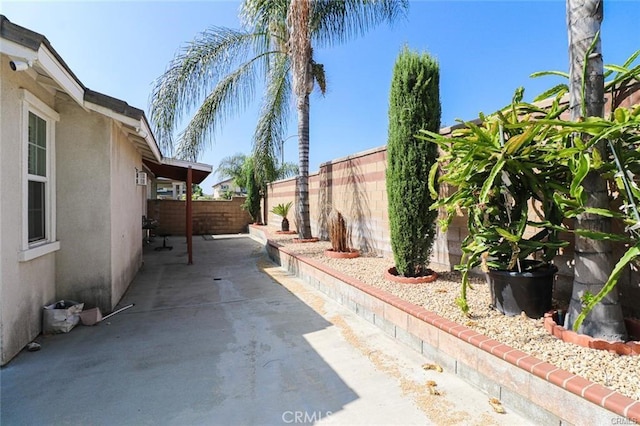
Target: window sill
38, 251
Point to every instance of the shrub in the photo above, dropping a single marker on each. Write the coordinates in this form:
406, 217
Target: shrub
283, 210
414, 104
252, 203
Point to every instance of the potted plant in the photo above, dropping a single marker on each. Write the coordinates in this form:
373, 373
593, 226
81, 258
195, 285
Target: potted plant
282, 210
502, 173
340, 237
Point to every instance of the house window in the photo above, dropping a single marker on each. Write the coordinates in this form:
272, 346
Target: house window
37, 178
39, 236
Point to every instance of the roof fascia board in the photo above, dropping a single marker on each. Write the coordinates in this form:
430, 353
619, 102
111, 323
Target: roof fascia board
151, 141
186, 164
60, 75
15, 50
132, 122
140, 126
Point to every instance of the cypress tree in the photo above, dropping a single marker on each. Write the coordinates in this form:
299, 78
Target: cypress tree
414, 104
252, 202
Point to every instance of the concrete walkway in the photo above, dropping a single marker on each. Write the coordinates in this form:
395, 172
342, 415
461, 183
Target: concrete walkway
230, 340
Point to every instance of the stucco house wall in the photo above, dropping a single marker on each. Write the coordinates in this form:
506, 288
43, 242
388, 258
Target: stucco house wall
100, 208
94, 147
26, 285
127, 206
83, 200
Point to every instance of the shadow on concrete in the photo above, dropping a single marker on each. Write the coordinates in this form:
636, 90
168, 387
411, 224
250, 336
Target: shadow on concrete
217, 342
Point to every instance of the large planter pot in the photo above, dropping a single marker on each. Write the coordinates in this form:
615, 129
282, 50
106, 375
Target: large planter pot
515, 292
391, 274
351, 254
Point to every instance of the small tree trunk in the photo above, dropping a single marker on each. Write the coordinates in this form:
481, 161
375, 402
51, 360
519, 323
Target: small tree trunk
593, 259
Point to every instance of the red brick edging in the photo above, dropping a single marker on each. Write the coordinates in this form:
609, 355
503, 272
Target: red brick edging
570, 336
577, 385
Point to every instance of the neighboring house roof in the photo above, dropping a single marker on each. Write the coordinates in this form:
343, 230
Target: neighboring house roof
230, 180
26, 45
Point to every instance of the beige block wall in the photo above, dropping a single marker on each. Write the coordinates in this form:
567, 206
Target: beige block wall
356, 186
209, 217
24, 286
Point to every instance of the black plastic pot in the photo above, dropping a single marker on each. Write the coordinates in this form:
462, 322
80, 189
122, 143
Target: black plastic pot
515, 292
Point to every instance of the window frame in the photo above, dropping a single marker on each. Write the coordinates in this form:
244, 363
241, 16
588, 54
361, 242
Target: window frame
31, 250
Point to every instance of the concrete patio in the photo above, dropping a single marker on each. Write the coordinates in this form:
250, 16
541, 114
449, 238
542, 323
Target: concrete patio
230, 340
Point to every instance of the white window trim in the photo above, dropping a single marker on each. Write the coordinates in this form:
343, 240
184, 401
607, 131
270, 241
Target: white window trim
30, 103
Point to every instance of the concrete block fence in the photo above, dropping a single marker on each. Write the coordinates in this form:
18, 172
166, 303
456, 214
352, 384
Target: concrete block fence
536, 389
210, 217
356, 186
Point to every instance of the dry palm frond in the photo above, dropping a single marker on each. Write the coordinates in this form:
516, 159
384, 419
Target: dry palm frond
496, 405
435, 367
431, 385
339, 234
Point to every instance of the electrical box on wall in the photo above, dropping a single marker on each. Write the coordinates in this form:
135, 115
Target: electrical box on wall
141, 178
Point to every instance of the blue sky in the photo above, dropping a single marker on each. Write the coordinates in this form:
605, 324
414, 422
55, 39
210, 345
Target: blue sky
486, 49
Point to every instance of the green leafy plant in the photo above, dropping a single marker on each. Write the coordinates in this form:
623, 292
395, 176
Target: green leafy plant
252, 202
496, 171
414, 104
282, 210
339, 233
617, 160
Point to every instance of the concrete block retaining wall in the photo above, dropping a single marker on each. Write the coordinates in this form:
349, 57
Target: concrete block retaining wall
538, 390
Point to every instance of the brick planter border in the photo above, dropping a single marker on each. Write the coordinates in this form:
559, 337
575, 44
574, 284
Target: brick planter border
537, 389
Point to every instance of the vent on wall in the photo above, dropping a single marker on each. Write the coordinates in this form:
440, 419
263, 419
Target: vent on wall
141, 178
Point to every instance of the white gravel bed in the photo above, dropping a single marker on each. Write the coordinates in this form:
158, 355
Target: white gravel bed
620, 373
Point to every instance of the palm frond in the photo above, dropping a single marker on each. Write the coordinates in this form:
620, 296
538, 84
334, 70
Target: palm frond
335, 22
274, 114
231, 166
231, 94
194, 72
317, 71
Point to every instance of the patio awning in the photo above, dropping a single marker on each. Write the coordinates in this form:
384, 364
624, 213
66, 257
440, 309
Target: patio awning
177, 169
184, 171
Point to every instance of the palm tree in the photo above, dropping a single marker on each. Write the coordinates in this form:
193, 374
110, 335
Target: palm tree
593, 259
231, 167
218, 72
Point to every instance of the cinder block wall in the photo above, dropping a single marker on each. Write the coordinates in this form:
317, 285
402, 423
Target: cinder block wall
356, 186
209, 217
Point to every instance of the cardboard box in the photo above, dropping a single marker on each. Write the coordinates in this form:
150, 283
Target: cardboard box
90, 316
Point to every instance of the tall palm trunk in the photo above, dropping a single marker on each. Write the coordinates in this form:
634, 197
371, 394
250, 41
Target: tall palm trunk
300, 52
593, 259
302, 182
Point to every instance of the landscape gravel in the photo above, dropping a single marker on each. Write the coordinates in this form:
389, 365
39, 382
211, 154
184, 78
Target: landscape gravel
617, 372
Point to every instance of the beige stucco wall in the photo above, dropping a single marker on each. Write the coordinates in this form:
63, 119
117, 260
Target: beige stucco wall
83, 197
126, 207
98, 213
99, 208
24, 286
